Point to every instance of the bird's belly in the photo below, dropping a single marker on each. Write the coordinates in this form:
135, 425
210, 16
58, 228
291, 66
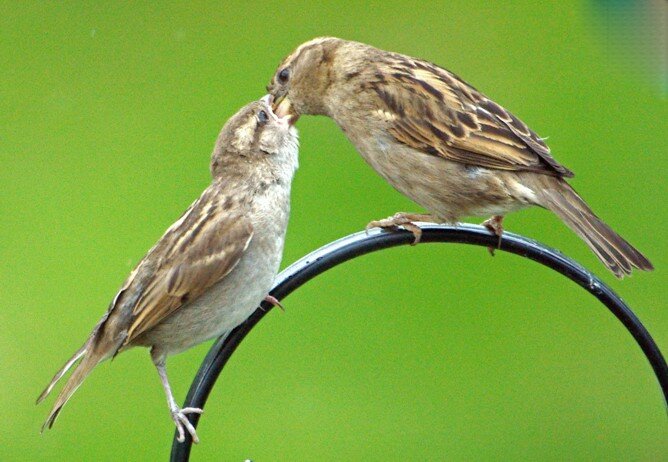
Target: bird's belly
447, 189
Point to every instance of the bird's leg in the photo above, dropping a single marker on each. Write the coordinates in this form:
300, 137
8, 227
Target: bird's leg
403, 219
273, 301
495, 226
178, 414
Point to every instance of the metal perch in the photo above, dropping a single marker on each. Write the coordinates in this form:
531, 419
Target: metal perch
362, 243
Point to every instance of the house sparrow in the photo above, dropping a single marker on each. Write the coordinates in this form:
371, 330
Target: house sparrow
212, 267
439, 141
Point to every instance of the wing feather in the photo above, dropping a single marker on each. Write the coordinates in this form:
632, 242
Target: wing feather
433, 111
195, 253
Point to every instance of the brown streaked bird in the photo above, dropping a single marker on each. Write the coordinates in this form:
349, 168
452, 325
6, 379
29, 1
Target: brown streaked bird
212, 267
439, 141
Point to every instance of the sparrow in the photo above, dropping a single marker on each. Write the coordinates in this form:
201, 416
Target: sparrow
212, 267
439, 141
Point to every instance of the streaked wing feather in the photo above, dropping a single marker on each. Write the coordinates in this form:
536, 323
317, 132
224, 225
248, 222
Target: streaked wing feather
435, 112
199, 250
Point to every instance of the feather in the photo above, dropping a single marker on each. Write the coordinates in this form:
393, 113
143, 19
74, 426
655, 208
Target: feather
433, 111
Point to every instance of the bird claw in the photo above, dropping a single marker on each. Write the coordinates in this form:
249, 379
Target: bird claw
495, 226
179, 416
415, 229
386, 223
273, 301
404, 220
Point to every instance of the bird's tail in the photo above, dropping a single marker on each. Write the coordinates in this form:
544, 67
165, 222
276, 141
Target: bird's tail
618, 255
88, 361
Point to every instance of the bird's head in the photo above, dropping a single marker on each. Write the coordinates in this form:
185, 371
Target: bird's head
301, 81
254, 133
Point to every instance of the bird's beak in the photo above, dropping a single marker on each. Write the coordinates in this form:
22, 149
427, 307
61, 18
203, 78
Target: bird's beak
282, 107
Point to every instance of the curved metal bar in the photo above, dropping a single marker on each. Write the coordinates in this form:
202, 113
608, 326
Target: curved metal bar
362, 243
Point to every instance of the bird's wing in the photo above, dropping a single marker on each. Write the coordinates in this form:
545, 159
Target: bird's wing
197, 251
432, 110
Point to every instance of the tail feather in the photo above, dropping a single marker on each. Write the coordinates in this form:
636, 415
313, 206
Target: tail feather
59, 375
88, 361
597, 241
615, 253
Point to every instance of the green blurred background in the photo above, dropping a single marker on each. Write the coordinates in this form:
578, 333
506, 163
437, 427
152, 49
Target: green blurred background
108, 115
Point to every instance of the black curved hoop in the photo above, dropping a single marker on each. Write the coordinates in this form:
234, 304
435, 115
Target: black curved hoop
361, 243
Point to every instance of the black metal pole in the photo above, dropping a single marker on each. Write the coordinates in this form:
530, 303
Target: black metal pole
362, 243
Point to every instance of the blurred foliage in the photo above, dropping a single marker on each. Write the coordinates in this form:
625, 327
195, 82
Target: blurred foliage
108, 114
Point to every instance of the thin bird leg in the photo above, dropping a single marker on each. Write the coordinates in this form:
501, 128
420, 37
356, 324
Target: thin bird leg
273, 301
178, 414
495, 226
405, 220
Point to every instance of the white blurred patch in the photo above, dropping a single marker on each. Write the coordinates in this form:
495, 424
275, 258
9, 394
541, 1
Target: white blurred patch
634, 34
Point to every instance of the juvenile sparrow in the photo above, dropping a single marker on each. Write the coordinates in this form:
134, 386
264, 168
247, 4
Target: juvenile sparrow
212, 267
438, 140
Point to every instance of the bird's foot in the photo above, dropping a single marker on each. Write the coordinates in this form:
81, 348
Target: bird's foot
495, 226
404, 220
179, 416
273, 301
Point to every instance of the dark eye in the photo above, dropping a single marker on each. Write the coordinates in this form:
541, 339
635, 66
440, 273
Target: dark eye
262, 117
284, 75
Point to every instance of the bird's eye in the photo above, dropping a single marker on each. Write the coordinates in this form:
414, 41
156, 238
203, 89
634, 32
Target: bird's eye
262, 117
284, 75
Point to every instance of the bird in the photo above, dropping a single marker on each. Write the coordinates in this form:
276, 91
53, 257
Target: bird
212, 268
439, 141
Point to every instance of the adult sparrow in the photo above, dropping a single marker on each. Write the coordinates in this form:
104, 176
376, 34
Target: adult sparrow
439, 141
212, 267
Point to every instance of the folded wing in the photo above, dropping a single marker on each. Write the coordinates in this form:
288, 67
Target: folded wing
433, 111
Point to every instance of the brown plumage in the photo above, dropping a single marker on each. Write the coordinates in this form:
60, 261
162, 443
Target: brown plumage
212, 267
438, 140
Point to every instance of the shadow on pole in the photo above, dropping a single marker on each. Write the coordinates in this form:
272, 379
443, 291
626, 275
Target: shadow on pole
361, 243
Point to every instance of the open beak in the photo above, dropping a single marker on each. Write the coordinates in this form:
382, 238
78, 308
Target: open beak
282, 107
